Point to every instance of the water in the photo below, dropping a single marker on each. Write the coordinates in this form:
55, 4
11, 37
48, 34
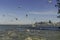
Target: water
18, 32
22, 27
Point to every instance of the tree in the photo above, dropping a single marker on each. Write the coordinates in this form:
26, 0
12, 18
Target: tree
50, 21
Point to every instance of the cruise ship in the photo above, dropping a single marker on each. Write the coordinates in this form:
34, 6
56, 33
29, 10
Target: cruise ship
45, 26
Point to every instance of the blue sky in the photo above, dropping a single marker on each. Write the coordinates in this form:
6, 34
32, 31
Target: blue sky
37, 10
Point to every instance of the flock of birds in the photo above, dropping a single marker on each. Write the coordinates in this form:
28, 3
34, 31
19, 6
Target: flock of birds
14, 17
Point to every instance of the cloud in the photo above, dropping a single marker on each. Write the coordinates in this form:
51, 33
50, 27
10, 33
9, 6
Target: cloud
44, 13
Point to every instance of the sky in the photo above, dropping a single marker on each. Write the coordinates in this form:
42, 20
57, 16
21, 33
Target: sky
37, 10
